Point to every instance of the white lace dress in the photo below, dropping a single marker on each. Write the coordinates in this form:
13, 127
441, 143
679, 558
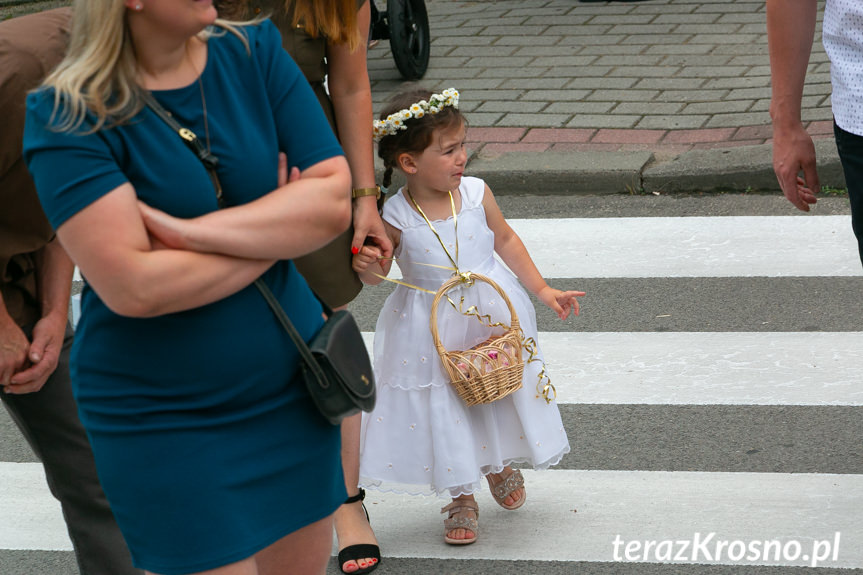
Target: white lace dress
421, 438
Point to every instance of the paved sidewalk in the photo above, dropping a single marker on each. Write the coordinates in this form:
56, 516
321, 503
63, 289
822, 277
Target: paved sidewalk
659, 96
605, 97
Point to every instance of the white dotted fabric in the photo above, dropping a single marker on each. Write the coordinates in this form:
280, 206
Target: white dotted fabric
842, 35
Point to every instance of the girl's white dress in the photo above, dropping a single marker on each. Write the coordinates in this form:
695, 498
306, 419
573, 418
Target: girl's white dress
421, 438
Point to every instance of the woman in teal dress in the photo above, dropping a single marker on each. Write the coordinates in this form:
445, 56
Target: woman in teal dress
208, 447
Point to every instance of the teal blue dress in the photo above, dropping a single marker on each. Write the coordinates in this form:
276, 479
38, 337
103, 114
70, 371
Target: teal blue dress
206, 442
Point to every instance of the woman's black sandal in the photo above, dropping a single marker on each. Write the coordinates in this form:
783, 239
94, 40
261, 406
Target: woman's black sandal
361, 550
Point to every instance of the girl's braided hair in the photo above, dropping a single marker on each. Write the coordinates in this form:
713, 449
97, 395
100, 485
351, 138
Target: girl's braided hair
418, 135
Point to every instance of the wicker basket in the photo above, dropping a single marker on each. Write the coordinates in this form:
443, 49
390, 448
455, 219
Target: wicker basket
490, 370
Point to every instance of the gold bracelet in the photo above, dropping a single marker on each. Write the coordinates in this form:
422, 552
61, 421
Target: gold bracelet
362, 192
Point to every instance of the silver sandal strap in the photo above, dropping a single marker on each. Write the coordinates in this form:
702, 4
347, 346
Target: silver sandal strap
513, 482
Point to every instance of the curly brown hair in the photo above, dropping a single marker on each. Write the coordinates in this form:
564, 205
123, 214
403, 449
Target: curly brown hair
419, 131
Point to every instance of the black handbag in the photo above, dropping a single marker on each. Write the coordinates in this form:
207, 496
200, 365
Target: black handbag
335, 364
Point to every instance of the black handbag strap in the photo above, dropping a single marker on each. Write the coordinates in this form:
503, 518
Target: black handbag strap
210, 162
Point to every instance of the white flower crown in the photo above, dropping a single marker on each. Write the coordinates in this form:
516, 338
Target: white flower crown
396, 121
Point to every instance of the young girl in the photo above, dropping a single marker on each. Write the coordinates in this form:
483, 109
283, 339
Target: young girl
421, 438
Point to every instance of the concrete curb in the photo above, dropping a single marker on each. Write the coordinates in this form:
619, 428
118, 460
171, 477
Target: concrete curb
739, 169
733, 169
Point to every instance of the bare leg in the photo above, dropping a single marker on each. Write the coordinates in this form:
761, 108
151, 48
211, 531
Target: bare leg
303, 552
244, 567
352, 527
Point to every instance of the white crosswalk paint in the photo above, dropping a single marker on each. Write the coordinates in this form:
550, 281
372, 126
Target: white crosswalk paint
30, 518
727, 246
576, 516
704, 368
724, 246
569, 516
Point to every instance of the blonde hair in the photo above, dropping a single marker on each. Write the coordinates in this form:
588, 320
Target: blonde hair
335, 20
99, 72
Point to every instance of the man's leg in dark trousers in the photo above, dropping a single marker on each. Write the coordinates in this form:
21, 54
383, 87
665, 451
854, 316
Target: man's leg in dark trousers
850, 148
49, 421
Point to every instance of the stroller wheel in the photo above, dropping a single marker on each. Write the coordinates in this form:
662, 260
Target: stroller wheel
409, 36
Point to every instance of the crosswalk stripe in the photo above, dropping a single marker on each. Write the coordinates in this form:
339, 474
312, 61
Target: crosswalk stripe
703, 368
721, 246
30, 518
576, 515
570, 515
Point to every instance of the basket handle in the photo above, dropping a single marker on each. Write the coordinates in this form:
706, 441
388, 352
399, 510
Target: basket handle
449, 284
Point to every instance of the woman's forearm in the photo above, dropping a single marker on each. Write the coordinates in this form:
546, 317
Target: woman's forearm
291, 221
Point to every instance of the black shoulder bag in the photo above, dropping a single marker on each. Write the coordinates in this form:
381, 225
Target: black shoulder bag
336, 366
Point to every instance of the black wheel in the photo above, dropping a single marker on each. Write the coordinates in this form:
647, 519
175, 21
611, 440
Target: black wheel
409, 36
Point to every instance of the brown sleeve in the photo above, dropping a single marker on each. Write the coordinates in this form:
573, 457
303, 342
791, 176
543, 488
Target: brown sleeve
30, 47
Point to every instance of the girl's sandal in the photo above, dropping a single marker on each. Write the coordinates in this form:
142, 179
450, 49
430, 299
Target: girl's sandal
468, 523
506, 486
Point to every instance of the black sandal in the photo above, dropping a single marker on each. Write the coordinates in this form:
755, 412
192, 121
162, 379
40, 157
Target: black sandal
360, 550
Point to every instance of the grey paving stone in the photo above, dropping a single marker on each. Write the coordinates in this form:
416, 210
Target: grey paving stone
645, 72
638, 29
469, 52
714, 61
669, 83
816, 114
536, 120
495, 62
675, 122
597, 33
707, 29
629, 60
691, 95
738, 119
612, 49
679, 49
532, 83
570, 108
565, 61
624, 95
512, 30
554, 95
589, 38
510, 106
718, 107
709, 72
581, 71
484, 120
743, 18
438, 41
554, 52
748, 93
560, 20
587, 83
602, 121
544, 40
686, 18
734, 39
735, 83
618, 19
645, 108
